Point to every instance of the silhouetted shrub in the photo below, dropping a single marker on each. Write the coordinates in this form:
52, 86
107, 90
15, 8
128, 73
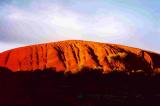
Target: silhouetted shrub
87, 87
4, 70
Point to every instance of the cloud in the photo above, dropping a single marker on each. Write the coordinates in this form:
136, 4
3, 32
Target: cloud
28, 22
46, 21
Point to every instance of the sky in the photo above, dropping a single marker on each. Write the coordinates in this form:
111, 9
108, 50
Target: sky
133, 23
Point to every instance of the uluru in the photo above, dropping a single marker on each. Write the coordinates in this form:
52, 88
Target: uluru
74, 55
79, 73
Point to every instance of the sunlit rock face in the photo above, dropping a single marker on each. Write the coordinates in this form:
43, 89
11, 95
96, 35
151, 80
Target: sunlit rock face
74, 55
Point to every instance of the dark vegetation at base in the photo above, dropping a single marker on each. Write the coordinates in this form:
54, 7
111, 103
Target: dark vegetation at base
86, 88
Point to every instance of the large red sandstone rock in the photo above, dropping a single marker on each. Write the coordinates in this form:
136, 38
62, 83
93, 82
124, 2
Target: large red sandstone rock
73, 55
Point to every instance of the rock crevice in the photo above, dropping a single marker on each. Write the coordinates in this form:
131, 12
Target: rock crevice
73, 55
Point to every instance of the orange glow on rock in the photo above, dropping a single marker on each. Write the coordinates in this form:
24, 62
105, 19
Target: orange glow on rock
73, 55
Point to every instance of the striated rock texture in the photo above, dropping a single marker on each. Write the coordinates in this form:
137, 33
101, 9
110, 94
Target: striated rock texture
74, 55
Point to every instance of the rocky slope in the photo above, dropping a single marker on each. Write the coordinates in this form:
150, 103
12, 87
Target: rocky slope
74, 55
